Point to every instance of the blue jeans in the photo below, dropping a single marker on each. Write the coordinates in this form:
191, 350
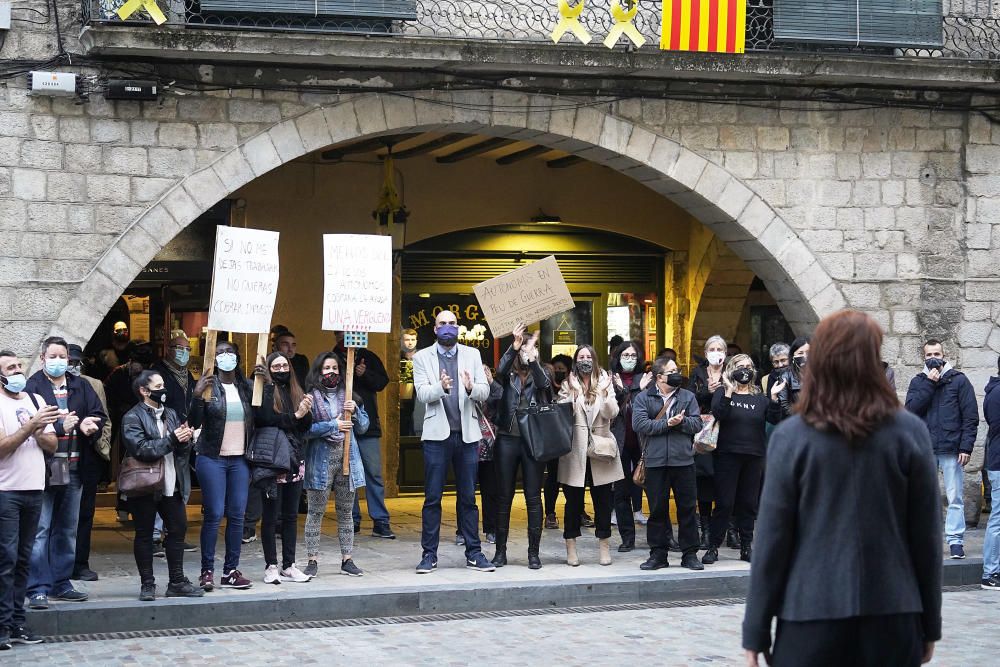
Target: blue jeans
954, 480
371, 459
19, 512
54, 553
991, 543
225, 481
464, 459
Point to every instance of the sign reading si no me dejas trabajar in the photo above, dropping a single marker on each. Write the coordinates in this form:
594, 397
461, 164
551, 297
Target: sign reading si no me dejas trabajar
357, 282
523, 296
244, 280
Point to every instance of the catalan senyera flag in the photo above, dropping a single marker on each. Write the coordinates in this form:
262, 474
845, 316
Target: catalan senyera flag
716, 26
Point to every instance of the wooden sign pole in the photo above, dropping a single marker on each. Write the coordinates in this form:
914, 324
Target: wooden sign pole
348, 394
208, 359
258, 380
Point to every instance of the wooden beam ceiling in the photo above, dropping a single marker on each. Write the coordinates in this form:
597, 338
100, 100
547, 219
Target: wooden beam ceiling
432, 145
476, 149
365, 146
563, 162
529, 152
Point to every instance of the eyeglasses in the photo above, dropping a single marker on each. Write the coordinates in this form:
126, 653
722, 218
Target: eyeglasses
280, 367
630, 356
181, 347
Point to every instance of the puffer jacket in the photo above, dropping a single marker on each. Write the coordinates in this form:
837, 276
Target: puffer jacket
538, 384
949, 409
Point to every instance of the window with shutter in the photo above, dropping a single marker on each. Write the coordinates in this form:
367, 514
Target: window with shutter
896, 23
383, 9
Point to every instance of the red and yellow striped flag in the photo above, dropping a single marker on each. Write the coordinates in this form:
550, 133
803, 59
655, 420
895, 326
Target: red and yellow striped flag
717, 26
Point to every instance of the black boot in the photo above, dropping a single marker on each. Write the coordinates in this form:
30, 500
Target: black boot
745, 551
711, 556
534, 541
732, 539
703, 524
500, 556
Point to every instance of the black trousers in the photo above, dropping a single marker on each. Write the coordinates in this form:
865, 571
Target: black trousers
489, 493
660, 481
625, 492
91, 467
895, 639
285, 505
572, 512
706, 494
255, 509
737, 489
511, 453
551, 486
171, 509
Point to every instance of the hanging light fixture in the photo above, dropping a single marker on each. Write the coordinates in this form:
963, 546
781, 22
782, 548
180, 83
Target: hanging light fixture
389, 209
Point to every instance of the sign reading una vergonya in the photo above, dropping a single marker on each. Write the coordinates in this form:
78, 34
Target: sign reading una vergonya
525, 295
357, 282
244, 280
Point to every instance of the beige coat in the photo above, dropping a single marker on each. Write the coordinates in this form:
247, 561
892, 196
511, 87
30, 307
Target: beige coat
573, 466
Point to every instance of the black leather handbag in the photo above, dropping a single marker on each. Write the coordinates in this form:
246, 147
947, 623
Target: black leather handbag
548, 429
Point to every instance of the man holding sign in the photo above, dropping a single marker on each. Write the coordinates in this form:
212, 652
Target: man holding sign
448, 378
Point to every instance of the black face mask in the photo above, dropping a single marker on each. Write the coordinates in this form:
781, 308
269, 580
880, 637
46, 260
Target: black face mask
674, 379
934, 362
799, 362
560, 376
158, 396
281, 377
742, 376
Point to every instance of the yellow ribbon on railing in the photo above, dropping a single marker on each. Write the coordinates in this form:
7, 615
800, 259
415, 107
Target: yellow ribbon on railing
132, 6
623, 24
570, 21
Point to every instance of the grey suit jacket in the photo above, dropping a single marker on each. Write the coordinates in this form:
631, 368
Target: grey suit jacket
429, 391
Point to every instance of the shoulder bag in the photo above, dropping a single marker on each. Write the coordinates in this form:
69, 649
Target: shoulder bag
639, 474
547, 428
138, 478
601, 447
707, 439
488, 431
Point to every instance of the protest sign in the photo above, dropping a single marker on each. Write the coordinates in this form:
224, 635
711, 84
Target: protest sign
244, 280
525, 295
357, 282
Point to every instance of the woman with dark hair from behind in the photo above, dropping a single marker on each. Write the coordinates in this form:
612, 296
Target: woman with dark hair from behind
628, 376
851, 476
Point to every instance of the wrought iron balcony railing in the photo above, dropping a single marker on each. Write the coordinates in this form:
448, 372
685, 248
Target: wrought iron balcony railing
963, 37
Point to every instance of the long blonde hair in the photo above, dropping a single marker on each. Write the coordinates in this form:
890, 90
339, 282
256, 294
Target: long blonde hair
595, 374
731, 366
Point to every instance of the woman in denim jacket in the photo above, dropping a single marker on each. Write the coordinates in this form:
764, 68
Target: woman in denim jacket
324, 460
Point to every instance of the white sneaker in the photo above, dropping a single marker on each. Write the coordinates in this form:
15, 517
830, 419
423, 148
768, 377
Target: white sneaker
271, 575
614, 518
640, 518
294, 575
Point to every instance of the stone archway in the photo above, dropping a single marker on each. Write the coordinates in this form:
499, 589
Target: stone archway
722, 202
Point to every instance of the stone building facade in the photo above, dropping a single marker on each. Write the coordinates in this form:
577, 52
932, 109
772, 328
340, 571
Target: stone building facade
841, 179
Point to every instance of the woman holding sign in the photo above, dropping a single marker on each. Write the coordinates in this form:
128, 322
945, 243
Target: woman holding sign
284, 406
324, 457
226, 423
595, 458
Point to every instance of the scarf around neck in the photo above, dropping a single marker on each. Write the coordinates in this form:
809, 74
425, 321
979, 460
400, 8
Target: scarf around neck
328, 406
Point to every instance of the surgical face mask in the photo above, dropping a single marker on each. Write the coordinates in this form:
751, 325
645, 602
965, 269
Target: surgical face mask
447, 334
585, 366
525, 357
742, 376
55, 368
74, 369
628, 363
225, 361
715, 358
674, 379
14, 383
800, 362
182, 357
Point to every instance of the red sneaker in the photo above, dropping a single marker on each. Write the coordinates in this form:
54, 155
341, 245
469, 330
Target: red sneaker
206, 581
235, 579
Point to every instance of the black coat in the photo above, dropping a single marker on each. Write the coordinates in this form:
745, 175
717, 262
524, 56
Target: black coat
178, 397
846, 530
949, 409
81, 399
666, 445
210, 417
991, 410
537, 383
295, 429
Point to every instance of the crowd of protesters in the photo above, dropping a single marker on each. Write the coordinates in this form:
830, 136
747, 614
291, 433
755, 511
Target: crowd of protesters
639, 428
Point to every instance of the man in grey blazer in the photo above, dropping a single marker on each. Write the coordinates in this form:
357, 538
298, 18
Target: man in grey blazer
447, 379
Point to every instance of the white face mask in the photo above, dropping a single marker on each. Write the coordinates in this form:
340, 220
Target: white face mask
715, 358
628, 364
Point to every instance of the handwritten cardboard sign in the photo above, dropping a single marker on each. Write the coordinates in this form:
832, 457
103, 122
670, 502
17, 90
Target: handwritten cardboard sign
357, 282
528, 294
244, 280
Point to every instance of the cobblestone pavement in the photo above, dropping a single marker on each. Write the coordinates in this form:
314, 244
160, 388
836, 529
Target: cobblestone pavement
676, 636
